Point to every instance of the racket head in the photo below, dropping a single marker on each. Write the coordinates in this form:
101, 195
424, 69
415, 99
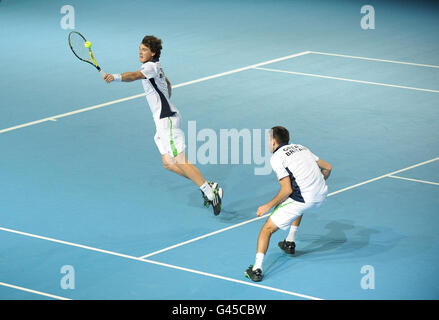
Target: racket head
77, 45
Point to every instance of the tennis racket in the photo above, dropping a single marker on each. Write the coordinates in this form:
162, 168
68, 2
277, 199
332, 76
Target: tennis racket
77, 43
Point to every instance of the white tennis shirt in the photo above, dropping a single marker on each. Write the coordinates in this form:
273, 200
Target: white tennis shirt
300, 164
156, 90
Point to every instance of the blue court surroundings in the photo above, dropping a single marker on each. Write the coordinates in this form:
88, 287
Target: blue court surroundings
87, 210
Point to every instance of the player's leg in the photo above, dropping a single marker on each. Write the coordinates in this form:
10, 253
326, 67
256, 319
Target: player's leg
254, 272
296, 223
264, 236
281, 218
187, 169
170, 140
289, 244
169, 164
211, 192
291, 237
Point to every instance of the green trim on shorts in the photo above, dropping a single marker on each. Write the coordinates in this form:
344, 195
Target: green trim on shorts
174, 149
280, 206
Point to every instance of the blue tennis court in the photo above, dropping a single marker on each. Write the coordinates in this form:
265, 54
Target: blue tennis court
83, 188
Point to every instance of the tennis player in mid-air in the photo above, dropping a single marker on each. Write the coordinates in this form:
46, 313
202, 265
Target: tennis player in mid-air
169, 137
302, 177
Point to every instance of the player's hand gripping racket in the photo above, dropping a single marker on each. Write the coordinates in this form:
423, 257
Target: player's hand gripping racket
82, 49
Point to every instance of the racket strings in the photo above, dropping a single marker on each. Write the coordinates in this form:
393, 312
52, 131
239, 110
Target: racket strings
77, 44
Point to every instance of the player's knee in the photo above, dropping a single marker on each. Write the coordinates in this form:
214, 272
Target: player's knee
167, 165
269, 227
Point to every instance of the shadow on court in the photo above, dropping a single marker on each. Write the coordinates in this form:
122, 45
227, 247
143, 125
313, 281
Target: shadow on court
344, 240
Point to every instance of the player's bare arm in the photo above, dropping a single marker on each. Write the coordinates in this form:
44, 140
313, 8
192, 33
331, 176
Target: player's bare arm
283, 194
325, 168
125, 77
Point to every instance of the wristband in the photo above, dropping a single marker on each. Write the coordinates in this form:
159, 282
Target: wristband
117, 77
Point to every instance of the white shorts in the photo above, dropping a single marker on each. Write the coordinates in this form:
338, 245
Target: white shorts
289, 210
169, 137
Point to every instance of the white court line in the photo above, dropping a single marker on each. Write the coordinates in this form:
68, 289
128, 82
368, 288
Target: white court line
106, 104
415, 180
33, 291
160, 264
202, 237
53, 118
374, 59
386, 175
266, 215
346, 79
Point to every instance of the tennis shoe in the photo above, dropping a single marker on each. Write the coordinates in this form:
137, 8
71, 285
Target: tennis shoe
217, 199
254, 275
287, 246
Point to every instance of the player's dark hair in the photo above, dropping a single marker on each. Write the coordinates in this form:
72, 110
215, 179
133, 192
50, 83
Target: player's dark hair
154, 44
281, 135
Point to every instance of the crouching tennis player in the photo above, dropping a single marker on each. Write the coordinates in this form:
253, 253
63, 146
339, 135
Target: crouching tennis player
169, 137
302, 177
